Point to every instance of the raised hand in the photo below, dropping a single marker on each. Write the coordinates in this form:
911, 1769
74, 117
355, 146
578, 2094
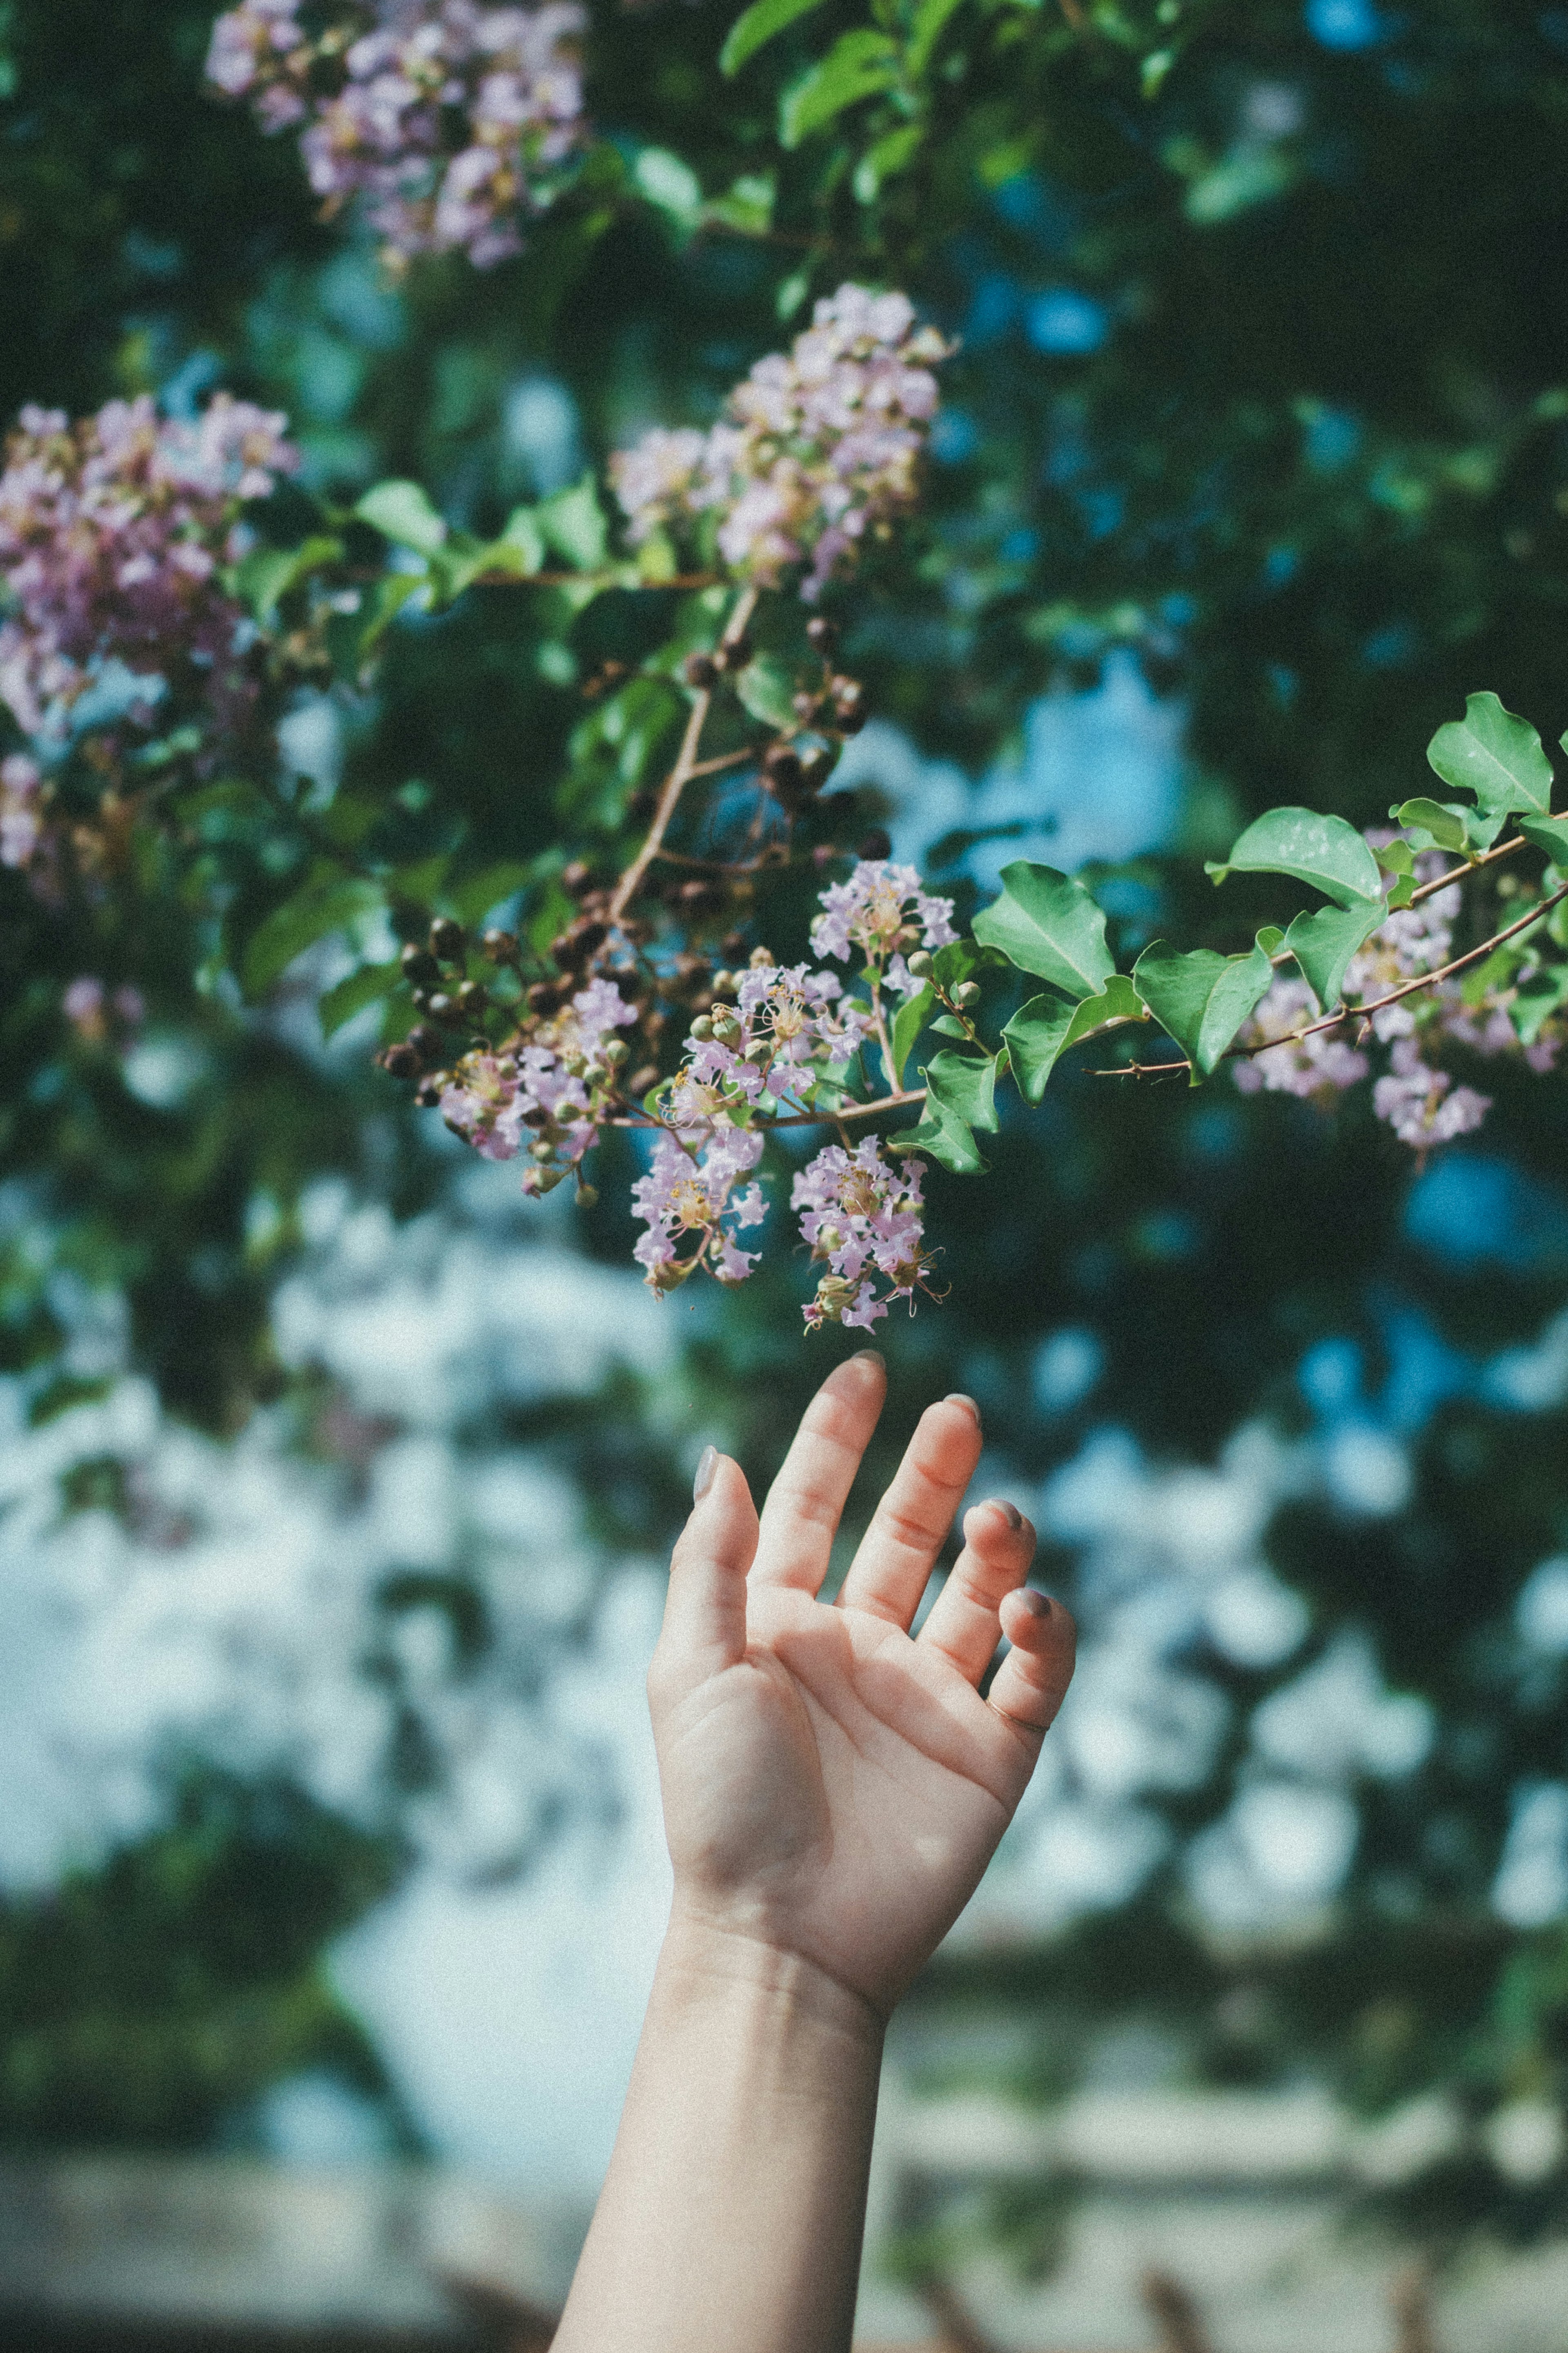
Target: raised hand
834, 1787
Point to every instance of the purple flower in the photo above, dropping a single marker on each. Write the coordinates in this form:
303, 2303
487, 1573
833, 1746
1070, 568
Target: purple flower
377, 134
814, 452
883, 911
686, 1195
544, 1092
1417, 1103
1317, 1067
111, 534
861, 1213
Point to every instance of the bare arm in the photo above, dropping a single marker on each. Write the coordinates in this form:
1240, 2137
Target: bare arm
833, 1789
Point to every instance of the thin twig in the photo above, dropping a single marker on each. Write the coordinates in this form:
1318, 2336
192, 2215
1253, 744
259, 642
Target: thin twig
681, 775
961, 2332
1174, 2314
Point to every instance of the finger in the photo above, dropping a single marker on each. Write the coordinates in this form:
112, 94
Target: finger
704, 1626
963, 1625
800, 1518
1032, 1680
898, 1550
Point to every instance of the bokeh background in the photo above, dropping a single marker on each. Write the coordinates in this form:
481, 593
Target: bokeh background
336, 1483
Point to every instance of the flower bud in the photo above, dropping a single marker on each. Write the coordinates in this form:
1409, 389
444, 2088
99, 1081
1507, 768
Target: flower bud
587, 1196
966, 994
594, 1074
703, 1028
922, 965
541, 1152
615, 1053
501, 947
577, 878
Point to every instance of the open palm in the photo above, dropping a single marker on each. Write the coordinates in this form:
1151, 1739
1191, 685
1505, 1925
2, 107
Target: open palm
834, 1787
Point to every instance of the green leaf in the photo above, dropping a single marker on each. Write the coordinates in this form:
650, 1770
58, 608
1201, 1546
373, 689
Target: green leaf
520, 550
366, 987
946, 1137
1496, 756
1538, 998
575, 525
858, 66
476, 894
966, 1087
747, 205
391, 595
930, 16
766, 687
1323, 942
755, 27
401, 511
1040, 1032
327, 905
891, 154
907, 1022
1444, 828
1322, 851
265, 576
1200, 997
669, 185
948, 1025
1046, 923
1547, 833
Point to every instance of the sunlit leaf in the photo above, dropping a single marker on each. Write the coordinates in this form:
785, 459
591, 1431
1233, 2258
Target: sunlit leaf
331, 905
401, 511
907, 1022
1047, 925
1323, 942
366, 987
756, 26
1496, 756
1202, 998
858, 65
966, 1087
1323, 850
1041, 1032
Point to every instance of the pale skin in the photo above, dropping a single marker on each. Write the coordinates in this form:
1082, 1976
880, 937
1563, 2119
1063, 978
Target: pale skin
833, 1789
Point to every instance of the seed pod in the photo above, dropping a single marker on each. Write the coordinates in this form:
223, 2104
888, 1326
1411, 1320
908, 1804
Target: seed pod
700, 898
536, 1116
429, 1096
428, 1043
473, 1000
587, 934
734, 653
448, 939
420, 967
815, 768
733, 945
821, 633
446, 1012
401, 1063
877, 844
546, 997
848, 705
576, 878
501, 947
785, 773
702, 671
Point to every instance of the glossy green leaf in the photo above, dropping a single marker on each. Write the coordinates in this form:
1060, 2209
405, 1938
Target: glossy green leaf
575, 525
907, 1022
891, 154
1047, 925
755, 27
948, 1025
1323, 942
265, 576
858, 66
965, 1086
669, 185
1496, 756
1444, 828
946, 1137
1041, 1032
520, 550
327, 905
1202, 998
931, 18
1547, 833
1322, 851
401, 511
766, 687
391, 595
366, 987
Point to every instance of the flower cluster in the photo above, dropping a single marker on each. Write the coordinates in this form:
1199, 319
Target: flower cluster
883, 911
860, 1212
99, 1014
112, 533
23, 826
1418, 1100
445, 118
552, 1092
813, 450
688, 1193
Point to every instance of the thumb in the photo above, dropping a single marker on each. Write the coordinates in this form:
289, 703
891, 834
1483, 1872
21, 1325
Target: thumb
705, 1612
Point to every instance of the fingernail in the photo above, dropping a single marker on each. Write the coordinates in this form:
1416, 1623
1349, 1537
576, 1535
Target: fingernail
957, 1396
1037, 1604
870, 1356
1010, 1512
707, 1472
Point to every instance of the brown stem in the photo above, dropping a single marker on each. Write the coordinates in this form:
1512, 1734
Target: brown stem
1356, 1012
681, 775
1174, 2313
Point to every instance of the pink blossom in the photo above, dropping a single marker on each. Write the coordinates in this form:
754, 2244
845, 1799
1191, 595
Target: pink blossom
686, 1194
21, 815
862, 1214
1318, 1066
542, 1091
380, 136
111, 533
883, 911
1417, 1103
814, 451
95, 1014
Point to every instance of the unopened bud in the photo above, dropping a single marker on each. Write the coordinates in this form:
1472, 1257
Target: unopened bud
966, 994
922, 965
541, 1152
447, 940
615, 1053
761, 958
594, 1074
700, 671
702, 1027
587, 1196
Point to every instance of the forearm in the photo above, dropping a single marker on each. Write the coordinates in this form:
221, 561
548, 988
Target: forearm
732, 2215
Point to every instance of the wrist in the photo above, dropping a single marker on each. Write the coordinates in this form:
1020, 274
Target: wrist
720, 1966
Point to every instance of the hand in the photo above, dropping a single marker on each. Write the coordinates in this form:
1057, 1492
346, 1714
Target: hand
833, 1788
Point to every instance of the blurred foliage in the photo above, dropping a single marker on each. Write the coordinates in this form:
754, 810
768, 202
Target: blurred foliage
1261, 382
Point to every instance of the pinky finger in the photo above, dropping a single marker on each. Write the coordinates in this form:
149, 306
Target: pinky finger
1032, 1680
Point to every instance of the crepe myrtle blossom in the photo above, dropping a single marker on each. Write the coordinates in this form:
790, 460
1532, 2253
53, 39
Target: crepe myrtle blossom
97, 1013
688, 1194
1317, 1067
112, 533
1421, 1104
449, 119
815, 449
861, 1212
783, 1027
21, 810
883, 911
548, 1094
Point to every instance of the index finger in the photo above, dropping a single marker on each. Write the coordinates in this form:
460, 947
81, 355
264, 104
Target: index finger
800, 1518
